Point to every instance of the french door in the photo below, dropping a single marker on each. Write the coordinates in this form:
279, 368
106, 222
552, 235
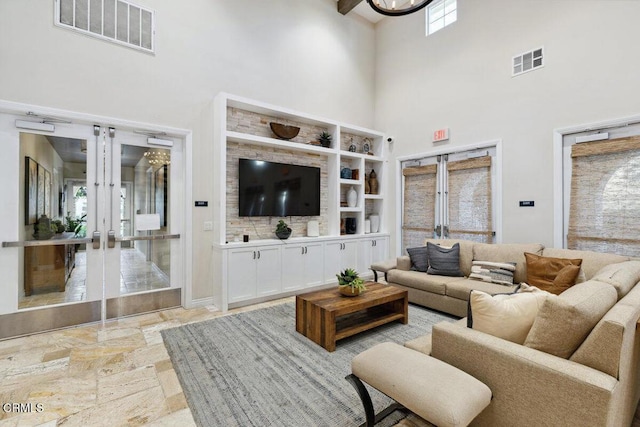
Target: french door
92, 223
449, 196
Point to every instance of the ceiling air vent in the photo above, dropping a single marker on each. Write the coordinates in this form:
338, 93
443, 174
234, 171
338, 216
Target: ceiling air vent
528, 61
117, 21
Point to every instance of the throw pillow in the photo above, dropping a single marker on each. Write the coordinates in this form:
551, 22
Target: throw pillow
494, 272
419, 258
444, 261
542, 271
506, 316
564, 321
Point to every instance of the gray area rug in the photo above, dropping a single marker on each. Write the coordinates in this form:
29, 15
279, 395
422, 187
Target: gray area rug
254, 369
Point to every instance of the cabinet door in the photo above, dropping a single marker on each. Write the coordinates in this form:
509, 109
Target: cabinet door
241, 274
349, 255
313, 265
269, 270
294, 266
365, 251
380, 249
332, 260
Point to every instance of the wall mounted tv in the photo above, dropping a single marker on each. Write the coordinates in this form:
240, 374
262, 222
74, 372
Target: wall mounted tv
278, 189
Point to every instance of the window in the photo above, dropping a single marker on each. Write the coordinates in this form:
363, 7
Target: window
604, 198
450, 196
441, 13
117, 21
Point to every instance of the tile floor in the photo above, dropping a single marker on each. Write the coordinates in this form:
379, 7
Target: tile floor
112, 374
137, 275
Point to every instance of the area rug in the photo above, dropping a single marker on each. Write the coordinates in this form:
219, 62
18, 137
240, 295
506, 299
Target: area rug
254, 369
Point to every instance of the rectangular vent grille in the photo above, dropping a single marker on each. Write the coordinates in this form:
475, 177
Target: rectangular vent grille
528, 61
117, 21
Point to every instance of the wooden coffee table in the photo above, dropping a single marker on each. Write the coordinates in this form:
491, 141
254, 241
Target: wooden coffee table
327, 316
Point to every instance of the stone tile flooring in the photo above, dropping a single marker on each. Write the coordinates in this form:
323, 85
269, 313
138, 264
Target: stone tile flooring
137, 275
112, 374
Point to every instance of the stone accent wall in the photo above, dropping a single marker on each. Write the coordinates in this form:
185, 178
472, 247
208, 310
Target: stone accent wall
258, 124
264, 227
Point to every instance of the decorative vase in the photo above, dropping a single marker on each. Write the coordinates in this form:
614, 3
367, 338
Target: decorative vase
284, 234
349, 291
367, 226
373, 182
375, 223
345, 173
352, 197
367, 189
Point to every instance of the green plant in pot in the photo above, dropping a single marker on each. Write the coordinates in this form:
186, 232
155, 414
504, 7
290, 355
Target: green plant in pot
325, 139
350, 284
282, 230
42, 229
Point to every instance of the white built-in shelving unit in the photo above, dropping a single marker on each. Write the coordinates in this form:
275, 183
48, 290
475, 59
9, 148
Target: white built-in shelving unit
244, 275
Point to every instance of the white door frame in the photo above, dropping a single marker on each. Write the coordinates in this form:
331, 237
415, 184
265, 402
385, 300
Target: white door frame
558, 168
497, 143
186, 135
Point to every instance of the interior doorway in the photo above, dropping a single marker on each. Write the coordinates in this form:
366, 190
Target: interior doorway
99, 219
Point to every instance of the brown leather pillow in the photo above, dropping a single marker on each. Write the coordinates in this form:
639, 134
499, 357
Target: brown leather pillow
553, 275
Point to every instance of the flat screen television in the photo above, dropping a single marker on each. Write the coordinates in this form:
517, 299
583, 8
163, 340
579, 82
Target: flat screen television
278, 189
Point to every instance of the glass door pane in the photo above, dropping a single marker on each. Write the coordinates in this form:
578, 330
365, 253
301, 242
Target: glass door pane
55, 211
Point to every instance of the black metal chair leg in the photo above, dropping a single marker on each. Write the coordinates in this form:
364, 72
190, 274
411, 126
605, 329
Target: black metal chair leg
365, 398
375, 275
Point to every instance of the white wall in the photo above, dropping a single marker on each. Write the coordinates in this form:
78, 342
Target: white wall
460, 78
300, 54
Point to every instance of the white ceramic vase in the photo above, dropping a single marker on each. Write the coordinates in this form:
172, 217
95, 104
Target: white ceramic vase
375, 223
352, 197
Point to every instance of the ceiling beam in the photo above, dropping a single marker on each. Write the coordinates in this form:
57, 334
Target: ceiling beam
345, 6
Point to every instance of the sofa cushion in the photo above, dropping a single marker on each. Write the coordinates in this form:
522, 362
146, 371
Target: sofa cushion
549, 274
506, 316
419, 258
466, 251
507, 252
605, 345
444, 261
623, 276
592, 262
421, 281
565, 320
462, 287
494, 272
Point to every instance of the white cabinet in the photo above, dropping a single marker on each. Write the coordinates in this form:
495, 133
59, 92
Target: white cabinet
371, 250
338, 256
253, 272
302, 265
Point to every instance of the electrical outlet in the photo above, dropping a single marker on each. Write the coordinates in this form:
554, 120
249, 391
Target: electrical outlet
208, 226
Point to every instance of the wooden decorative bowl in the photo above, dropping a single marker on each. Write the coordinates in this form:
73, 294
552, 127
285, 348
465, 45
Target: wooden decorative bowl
348, 291
284, 131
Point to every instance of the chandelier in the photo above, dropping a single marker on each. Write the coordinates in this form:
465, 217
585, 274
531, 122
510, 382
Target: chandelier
158, 158
404, 7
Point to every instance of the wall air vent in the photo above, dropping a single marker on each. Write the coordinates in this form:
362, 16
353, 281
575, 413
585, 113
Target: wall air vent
528, 61
117, 21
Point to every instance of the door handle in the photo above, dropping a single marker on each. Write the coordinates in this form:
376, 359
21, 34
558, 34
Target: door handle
152, 237
258, 254
111, 239
96, 240
254, 254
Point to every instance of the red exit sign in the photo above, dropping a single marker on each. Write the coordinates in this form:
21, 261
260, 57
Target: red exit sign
441, 135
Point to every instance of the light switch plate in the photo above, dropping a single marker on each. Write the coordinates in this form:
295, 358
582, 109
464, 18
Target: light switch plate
208, 226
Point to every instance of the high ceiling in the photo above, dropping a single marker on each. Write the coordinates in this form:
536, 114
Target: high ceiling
362, 9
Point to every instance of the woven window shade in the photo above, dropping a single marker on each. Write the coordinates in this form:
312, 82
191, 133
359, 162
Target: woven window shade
604, 208
470, 199
418, 216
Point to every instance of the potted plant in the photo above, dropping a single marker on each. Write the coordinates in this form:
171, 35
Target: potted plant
325, 139
282, 230
350, 284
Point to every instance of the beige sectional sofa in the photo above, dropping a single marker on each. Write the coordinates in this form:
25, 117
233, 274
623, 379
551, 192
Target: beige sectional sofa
597, 385
451, 294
